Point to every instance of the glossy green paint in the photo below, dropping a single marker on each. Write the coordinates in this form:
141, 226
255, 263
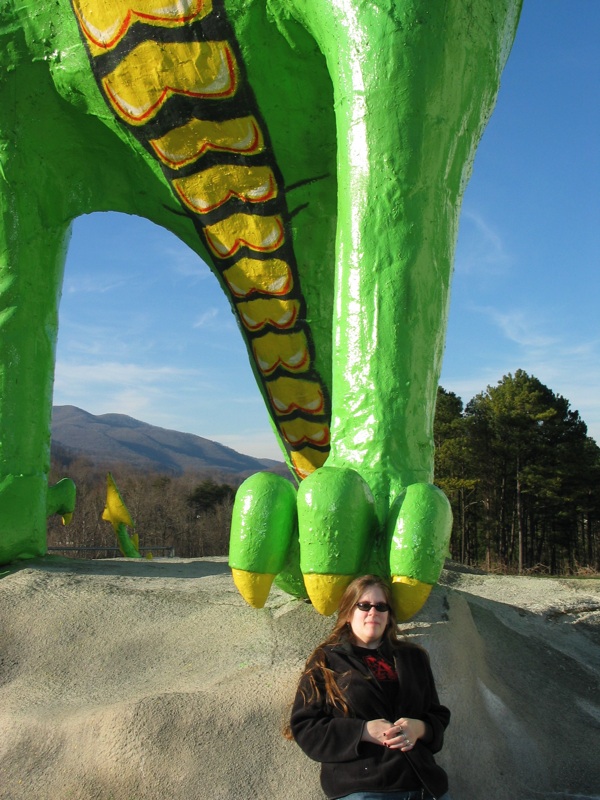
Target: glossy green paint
336, 521
374, 110
413, 86
61, 155
260, 542
417, 535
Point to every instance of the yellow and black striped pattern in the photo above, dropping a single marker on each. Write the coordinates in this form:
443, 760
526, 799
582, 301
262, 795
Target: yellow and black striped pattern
173, 73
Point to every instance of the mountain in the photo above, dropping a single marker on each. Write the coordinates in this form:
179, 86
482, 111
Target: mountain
116, 438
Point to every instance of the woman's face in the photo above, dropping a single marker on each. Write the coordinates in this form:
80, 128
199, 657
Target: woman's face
368, 627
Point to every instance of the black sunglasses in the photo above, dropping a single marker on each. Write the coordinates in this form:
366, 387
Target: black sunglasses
381, 607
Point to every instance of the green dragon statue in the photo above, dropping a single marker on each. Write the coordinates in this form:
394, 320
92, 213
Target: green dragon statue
314, 153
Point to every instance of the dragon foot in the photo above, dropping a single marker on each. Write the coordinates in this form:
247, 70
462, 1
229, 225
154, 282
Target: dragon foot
315, 542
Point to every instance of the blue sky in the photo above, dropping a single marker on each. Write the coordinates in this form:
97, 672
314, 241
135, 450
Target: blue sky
146, 331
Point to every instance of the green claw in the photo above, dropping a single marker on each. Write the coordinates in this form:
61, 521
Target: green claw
336, 517
263, 521
419, 528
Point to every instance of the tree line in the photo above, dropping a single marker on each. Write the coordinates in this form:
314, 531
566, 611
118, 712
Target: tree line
522, 476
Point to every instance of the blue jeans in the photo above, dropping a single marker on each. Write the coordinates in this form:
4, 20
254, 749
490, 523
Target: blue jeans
415, 795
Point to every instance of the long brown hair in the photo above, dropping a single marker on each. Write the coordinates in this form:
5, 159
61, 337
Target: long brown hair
318, 678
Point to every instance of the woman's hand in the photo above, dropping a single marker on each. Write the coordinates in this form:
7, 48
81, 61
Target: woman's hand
376, 731
403, 734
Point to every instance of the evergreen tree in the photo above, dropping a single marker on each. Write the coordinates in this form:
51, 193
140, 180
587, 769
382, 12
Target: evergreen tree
519, 468
455, 473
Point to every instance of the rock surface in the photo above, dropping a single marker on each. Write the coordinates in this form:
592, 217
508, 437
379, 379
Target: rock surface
123, 680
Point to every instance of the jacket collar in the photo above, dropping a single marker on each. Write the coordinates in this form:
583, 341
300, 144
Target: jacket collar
384, 649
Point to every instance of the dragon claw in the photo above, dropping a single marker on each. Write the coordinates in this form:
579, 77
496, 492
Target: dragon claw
253, 586
409, 596
325, 591
263, 523
419, 527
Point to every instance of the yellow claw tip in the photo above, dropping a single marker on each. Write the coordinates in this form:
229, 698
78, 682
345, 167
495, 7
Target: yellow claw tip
253, 586
66, 518
409, 596
325, 591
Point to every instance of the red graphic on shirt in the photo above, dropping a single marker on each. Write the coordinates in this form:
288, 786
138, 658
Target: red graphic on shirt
381, 669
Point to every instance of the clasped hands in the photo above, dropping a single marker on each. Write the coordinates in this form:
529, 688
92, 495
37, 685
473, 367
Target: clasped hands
399, 735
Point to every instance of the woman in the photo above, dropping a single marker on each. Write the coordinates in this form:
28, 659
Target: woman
367, 707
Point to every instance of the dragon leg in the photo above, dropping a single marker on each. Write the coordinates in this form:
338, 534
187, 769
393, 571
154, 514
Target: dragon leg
414, 83
32, 244
414, 88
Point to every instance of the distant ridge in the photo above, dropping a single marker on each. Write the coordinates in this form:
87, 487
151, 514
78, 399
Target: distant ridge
117, 438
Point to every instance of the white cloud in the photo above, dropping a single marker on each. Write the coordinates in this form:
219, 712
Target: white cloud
132, 402
520, 327
481, 249
93, 284
184, 262
84, 378
206, 318
127, 342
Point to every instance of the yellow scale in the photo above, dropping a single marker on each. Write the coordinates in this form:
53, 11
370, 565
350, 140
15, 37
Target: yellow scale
105, 24
137, 89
